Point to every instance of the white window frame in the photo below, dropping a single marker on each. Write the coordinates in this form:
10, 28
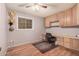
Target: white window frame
26, 18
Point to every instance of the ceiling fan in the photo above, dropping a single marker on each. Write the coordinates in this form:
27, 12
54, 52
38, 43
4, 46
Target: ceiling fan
27, 5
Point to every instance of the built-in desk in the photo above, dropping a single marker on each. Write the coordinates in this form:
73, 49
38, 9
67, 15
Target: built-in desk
70, 42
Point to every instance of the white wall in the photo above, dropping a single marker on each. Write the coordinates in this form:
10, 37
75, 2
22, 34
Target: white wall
18, 37
63, 31
3, 29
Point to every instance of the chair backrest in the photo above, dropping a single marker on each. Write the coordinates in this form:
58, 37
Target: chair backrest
48, 35
50, 38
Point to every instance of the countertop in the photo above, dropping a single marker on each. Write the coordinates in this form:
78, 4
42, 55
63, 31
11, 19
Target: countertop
67, 36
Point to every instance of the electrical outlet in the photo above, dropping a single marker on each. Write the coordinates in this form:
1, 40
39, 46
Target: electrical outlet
0, 48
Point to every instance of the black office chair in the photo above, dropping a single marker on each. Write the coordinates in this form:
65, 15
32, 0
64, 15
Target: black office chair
51, 39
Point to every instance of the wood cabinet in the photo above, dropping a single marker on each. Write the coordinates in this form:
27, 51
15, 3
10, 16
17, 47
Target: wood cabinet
76, 15
76, 44
68, 43
60, 41
70, 17
61, 18
50, 19
67, 18
47, 22
74, 11
53, 18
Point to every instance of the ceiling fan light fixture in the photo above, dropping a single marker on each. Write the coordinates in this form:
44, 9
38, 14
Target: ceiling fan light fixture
36, 8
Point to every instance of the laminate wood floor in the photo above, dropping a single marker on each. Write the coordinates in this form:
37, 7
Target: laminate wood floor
30, 50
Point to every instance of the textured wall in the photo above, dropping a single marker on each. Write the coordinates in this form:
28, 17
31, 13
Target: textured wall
3, 29
19, 37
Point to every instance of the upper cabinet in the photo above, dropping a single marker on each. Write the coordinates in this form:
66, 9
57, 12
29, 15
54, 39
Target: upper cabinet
67, 18
50, 19
47, 22
61, 16
71, 17
75, 13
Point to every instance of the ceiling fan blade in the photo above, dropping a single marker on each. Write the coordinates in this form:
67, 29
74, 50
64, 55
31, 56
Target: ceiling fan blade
21, 5
52, 5
27, 6
44, 6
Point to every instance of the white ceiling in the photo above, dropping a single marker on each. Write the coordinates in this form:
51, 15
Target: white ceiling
42, 12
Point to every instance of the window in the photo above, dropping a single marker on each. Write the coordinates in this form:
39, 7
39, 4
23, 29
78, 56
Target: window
24, 23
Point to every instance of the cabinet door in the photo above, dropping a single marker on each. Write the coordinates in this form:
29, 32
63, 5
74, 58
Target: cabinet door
65, 18
76, 44
50, 19
77, 13
68, 43
61, 17
53, 18
68, 20
47, 22
60, 41
74, 15
66, 39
